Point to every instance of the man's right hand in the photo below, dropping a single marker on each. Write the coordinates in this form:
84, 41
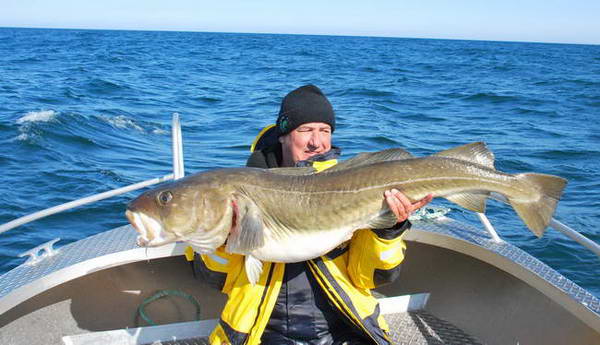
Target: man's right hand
401, 206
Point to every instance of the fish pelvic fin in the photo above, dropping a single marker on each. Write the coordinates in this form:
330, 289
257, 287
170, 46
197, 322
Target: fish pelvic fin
475, 153
247, 233
254, 269
538, 214
367, 158
471, 201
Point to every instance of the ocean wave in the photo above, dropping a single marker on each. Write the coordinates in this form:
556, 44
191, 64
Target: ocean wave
209, 99
28, 129
72, 94
566, 154
489, 97
127, 123
102, 86
160, 131
122, 122
368, 92
527, 111
27, 60
370, 69
113, 175
387, 109
38, 116
560, 82
382, 140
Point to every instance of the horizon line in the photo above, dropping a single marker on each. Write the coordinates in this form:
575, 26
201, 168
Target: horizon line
294, 33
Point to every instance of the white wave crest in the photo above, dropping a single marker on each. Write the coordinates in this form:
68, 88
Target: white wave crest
22, 137
37, 116
123, 122
160, 131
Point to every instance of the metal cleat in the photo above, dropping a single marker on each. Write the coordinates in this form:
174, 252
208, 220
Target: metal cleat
40, 252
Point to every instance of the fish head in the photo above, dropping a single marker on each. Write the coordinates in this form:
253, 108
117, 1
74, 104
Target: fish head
185, 210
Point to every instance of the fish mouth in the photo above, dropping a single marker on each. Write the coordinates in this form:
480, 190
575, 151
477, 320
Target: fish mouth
151, 232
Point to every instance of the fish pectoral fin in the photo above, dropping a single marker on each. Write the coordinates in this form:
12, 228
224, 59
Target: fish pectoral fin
383, 221
471, 201
254, 269
475, 153
248, 235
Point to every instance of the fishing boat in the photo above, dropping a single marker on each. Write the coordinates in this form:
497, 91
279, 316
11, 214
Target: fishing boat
460, 284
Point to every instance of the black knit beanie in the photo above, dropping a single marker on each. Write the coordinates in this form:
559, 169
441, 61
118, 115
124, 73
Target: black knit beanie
303, 105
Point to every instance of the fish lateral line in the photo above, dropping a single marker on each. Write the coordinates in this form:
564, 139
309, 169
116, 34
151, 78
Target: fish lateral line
397, 184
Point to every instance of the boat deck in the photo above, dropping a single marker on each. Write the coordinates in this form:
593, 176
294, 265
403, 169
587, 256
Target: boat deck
408, 328
423, 328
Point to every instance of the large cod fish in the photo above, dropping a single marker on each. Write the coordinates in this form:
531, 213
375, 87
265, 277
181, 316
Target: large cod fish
292, 215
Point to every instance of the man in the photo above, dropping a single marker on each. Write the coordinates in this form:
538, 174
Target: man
322, 301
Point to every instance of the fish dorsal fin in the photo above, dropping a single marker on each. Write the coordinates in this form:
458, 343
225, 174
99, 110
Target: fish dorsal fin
367, 158
247, 233
475, 153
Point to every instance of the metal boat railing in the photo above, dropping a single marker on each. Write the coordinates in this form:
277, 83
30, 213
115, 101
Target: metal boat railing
569, 232
178, 172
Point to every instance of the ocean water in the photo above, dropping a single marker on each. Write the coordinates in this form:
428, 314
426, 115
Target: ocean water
85, 111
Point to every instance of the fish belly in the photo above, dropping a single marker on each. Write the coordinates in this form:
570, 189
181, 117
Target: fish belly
297, 247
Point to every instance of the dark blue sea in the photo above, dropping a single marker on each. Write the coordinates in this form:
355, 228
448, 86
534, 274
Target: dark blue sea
85, 111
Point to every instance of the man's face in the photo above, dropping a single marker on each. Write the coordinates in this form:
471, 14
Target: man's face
307, 140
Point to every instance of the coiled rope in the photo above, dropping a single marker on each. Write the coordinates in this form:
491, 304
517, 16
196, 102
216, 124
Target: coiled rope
161, 294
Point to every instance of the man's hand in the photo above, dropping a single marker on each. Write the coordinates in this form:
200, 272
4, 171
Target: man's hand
401, 206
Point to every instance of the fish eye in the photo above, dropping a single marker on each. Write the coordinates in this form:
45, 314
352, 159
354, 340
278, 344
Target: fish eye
164, 197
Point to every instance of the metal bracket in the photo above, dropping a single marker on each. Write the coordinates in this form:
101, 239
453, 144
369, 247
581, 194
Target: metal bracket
40, 252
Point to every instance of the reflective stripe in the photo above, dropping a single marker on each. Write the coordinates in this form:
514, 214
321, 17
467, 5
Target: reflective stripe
388, 254
234, 337
218, 259
341, 302
369, 326
329, 291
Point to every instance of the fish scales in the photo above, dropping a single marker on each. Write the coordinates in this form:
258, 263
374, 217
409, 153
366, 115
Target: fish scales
329, 195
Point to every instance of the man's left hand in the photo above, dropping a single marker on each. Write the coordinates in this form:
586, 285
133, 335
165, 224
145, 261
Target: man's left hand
401, 206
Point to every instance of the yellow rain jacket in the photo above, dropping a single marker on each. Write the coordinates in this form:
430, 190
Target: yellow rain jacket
346, 275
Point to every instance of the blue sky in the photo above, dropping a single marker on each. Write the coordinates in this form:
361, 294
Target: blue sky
575, 21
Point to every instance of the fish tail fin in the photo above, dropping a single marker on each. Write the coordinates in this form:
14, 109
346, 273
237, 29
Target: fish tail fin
538, 214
